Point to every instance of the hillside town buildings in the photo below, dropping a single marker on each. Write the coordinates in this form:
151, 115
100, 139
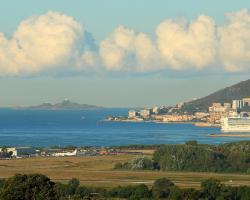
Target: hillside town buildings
175, 114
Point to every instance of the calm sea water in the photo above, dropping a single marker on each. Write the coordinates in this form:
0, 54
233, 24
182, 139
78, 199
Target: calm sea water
87, 128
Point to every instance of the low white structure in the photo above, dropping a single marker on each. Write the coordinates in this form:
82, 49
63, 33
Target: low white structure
144, 113
68, 153
20, 151
132, 114
235, 124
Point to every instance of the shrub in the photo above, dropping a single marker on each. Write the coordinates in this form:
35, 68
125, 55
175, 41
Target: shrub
141, 163
161, 188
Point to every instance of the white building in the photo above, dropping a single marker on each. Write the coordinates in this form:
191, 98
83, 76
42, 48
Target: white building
180, 105
155, 110
237, 104
132, 114
144, 113
20, 151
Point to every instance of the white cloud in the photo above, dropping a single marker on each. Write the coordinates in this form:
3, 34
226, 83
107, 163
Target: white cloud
187, 45
127, 50
234, 43
54, 41
39, 43
116, 48
147, 54
180, 45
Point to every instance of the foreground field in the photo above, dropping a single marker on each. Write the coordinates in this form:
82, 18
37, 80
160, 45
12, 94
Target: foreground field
98, 171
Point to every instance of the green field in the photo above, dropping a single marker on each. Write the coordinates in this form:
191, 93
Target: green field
98, 171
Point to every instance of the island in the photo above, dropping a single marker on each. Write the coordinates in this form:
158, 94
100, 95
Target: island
64, 105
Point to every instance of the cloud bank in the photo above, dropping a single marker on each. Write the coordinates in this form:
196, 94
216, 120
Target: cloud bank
54, 41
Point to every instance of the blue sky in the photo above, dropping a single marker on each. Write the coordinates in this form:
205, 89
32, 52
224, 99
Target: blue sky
121, 87
101, 17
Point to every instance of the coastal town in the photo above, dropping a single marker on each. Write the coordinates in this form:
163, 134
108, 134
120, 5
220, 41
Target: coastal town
176, 114
164, 114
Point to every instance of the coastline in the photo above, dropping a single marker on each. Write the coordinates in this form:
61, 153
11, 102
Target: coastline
242, 135
148, 121
198, 124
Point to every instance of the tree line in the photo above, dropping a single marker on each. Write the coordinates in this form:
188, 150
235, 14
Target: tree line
191, 156
40, 187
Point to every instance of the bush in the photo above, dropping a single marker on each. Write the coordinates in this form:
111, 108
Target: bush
184, 194
118, 166
141, 191
211, 189
130, 192
162, 188
141, 163
73, 185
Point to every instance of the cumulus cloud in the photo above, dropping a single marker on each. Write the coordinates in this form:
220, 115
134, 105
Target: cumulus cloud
54, 41
178, 46
181, 45
116, 49
39, 43
187, 45
127, 50
234, 41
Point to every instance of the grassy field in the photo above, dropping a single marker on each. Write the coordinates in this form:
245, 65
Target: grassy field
98, 171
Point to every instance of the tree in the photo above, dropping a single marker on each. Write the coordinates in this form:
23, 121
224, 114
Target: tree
141, 191
28, 187
82, 191
161, 188
73, 185
211, 189
61, 190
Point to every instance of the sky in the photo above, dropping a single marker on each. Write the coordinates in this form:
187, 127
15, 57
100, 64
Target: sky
116, 53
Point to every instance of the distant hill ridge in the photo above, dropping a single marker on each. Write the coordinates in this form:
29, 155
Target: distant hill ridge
237, 91
64, 105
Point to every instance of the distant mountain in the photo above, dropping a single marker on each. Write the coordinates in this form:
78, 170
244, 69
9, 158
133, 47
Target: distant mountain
64, 105
237, 91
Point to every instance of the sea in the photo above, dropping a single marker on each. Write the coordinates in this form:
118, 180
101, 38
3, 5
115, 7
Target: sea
44, 128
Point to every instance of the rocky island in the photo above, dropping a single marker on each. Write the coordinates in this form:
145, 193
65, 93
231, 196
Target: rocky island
64, 105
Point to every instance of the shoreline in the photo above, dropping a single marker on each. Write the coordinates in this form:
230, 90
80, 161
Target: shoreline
242, 135
197, 124
149, 121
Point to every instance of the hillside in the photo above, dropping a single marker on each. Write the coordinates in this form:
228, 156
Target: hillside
237, 91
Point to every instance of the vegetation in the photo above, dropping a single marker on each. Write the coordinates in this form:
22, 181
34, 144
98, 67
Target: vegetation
40, 187
22, 187
232, 157
138, 163
162, 188
191, 156
98, 171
